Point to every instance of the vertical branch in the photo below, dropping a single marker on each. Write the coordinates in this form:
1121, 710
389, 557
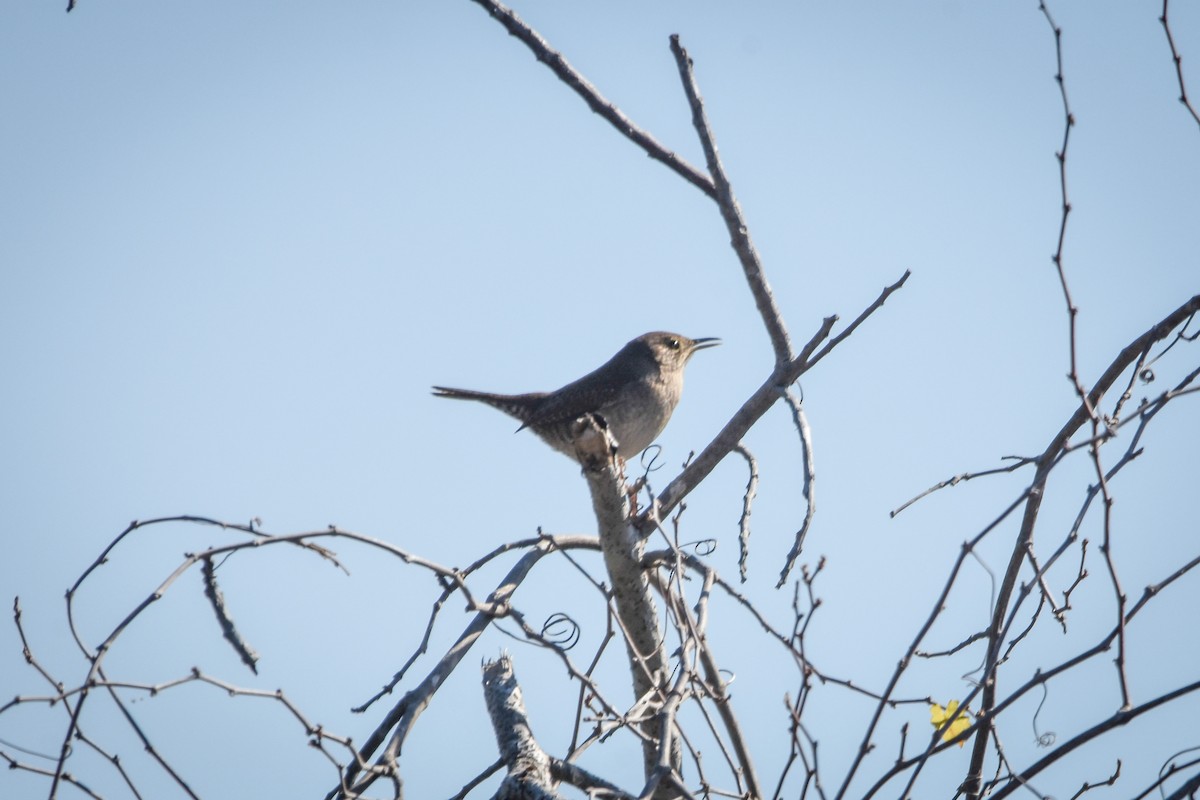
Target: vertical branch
739, 233
1178, 60
528, 765
694, 629
1106, 549
1033, 501
1061, 155
810, 474
622, 546
973, 784
747, 504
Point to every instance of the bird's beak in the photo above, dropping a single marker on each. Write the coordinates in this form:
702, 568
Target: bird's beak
700, 344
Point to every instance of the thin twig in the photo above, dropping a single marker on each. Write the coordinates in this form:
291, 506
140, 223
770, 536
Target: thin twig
591, 95
217, 600
752, 410
1122, 717
808, 488
747, 502
1178, 61
963, 477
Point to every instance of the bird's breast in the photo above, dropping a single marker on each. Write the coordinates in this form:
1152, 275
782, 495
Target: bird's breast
640, 414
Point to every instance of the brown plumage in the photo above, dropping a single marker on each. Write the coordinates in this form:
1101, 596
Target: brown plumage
635, 393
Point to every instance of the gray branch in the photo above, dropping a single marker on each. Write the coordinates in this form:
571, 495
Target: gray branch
591, 95
528, 765
622, 545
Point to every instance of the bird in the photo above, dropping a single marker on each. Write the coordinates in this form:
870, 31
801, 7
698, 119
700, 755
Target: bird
634, 393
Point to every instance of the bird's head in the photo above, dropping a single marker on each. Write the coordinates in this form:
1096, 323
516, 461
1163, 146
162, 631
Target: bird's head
671, 350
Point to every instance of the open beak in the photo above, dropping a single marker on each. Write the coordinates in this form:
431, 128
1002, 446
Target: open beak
700, 344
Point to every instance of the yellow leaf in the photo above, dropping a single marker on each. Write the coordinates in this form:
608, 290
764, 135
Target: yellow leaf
949, 720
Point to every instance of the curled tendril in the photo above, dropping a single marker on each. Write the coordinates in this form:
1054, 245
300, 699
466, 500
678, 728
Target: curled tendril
651, 458
702, 547
1043, 739
1169, 767
1182, 336
561, 631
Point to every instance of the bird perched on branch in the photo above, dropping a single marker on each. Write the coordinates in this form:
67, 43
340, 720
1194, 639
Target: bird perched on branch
634, 393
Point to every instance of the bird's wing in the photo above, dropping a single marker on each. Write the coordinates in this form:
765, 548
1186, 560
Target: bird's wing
565, 405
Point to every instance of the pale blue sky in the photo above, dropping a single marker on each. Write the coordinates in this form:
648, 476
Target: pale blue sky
239, 241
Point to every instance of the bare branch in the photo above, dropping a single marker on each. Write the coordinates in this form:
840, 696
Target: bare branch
1034, 494
64, 777
714, 685
753, 409
807, 490
404, 714
591, 95
622, 546
963, 477
228, 629
747, 501
1057, 258
27, 651
1178, 61
1122, 717
887, 292
1169, 770
478, 779
1088, 786
582, 779
528, 765
739, 232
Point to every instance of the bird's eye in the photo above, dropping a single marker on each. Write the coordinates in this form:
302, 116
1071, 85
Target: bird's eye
672, 343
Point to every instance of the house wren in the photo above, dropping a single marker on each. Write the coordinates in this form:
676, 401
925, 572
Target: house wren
634, 392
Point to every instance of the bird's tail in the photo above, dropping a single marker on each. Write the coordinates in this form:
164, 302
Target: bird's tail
519, 406
462, 394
